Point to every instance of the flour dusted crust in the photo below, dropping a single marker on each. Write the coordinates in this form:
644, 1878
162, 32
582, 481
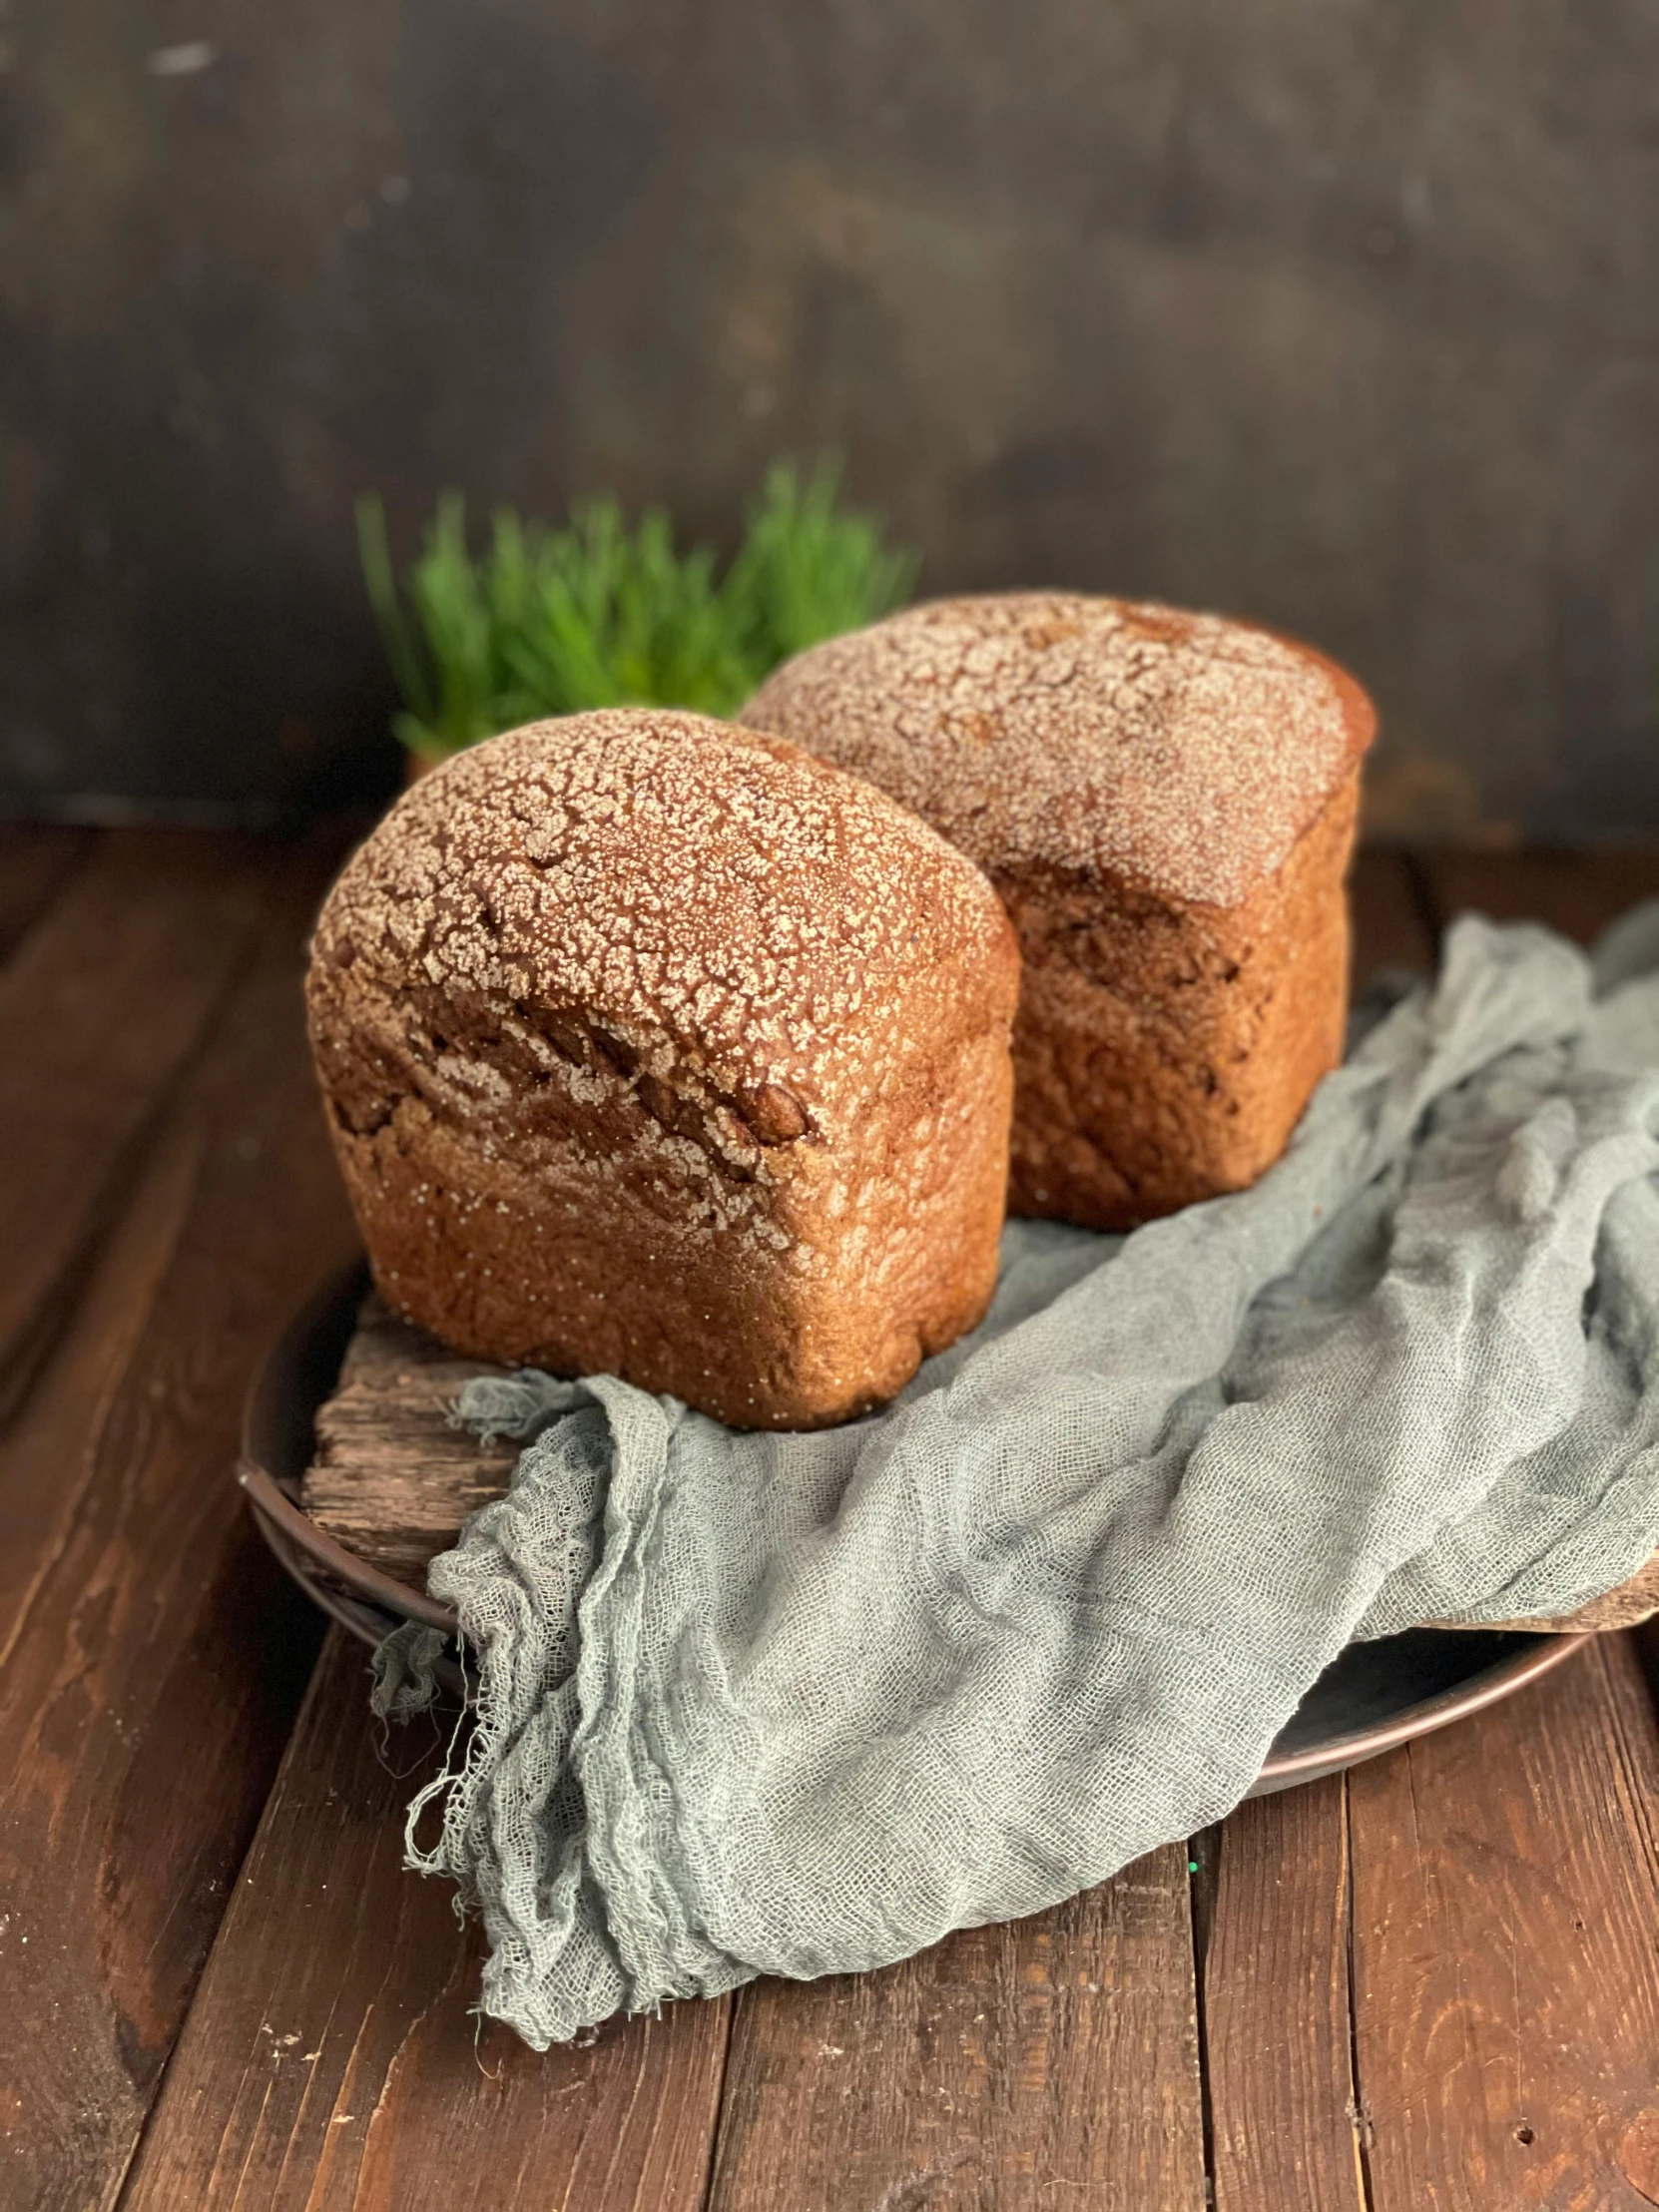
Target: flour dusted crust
655, 1048
1165, 803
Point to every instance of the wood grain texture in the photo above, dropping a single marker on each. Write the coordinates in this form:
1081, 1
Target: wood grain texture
1506, 1881
1278, 2056
1049, 2063
36, 859
331, 2059
153, 1656
393, 1480
100, 1007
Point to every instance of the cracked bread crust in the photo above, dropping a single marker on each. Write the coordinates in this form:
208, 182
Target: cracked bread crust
656, 1048
1165, 804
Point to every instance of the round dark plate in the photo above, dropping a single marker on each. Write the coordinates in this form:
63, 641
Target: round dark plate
1371, 1698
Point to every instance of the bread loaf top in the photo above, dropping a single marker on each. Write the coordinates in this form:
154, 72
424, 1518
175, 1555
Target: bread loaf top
726, 922
1183, 754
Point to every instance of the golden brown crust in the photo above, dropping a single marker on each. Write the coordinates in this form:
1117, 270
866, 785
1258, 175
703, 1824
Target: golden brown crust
660, 1049
1165, 803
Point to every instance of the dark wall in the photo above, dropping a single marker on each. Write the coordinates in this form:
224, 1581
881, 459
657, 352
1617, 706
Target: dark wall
1339, 313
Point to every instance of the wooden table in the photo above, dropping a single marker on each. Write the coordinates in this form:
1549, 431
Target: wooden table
1432, 1984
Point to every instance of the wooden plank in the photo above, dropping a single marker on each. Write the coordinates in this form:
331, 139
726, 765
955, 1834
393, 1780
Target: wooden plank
1276, 2049
1392, 922
154, 1655
35, 861
1578, 893
1506, 1951
1049, 2063
331, 2059
392, 1480
100, 1007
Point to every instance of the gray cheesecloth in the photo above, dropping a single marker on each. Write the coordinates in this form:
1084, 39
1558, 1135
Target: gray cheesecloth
801, 1704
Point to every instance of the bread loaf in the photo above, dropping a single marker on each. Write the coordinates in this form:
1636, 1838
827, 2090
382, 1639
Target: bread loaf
1165, 803
654, 1048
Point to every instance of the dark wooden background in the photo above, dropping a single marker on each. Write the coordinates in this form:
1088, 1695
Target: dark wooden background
1339, 313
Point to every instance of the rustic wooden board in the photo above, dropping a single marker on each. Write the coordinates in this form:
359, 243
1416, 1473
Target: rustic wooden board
332, 2060
1506, 1952
1277, 2013
101, 1006
1050, 2062
153, 1655
393, 1478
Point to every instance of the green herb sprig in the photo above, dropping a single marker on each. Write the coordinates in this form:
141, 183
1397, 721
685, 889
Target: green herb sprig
551, 621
